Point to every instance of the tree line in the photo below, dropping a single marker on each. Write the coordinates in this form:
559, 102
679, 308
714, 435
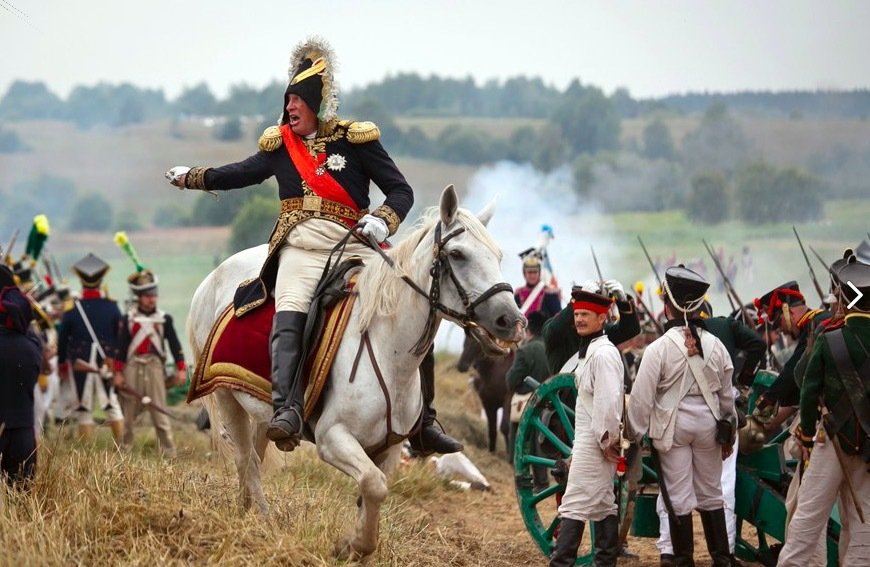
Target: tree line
713, 172
404, 94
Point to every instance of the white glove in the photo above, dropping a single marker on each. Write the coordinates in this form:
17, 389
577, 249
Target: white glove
175, 174
374, 227
615, 289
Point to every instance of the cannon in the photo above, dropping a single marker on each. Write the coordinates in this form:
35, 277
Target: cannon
544, 438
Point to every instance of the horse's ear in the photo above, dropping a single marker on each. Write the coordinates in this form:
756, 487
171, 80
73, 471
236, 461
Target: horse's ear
485, 215
449, 205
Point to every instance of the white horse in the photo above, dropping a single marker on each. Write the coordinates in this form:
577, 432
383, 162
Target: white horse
450, 242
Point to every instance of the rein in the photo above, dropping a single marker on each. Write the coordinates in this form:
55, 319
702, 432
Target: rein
441, 267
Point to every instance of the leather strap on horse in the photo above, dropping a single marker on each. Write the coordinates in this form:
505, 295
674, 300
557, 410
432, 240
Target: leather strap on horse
440, 267
391, 438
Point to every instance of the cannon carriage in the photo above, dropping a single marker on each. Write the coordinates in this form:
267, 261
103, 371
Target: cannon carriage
544, 440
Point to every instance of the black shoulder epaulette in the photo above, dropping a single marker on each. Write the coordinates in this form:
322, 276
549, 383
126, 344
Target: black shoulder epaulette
270, 140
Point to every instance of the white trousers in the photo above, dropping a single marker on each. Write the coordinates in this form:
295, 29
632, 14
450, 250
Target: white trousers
692, 468
589, 495
94, 396
823, 483
302, 257
729, 481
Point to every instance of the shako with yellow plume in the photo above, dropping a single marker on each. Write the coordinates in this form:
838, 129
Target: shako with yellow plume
142, 281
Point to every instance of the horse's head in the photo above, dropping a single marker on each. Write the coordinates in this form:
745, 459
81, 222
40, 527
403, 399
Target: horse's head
470, 284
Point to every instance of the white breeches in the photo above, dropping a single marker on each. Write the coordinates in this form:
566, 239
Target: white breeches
93, 397
823, 483
692, 468
302, 257
729, 481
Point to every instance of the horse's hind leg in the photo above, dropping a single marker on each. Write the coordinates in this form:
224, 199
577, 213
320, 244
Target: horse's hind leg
340, 449
238, 425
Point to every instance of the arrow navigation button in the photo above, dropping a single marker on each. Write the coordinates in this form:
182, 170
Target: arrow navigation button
857, 297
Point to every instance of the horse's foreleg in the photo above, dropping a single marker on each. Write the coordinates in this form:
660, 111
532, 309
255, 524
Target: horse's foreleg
237, 424
339, 448
506, 429
492, 423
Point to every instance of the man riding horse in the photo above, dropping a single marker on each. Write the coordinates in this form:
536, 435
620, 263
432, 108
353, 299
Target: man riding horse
323, 166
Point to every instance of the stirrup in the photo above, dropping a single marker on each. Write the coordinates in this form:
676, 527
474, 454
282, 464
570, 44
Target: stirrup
280, 429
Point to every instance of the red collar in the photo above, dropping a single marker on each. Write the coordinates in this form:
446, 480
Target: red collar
88, 293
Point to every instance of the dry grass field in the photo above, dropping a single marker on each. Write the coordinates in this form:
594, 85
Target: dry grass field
91, 505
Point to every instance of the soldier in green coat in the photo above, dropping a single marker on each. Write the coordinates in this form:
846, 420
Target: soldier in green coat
836, 387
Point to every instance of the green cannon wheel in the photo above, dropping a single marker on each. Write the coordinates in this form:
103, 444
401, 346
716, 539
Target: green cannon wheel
544, 439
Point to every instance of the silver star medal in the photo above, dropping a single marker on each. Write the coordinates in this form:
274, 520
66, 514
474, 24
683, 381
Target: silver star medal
336, 162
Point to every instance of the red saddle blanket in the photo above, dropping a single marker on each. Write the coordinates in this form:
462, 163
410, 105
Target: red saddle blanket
236, 354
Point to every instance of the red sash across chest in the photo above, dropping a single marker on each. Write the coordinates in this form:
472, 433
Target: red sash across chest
313, 170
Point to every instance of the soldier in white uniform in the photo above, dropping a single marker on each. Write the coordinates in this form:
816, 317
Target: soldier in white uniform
589, 496
682, 398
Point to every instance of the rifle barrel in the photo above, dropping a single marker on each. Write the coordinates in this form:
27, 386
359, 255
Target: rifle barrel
810, 266
648, 259
729, 287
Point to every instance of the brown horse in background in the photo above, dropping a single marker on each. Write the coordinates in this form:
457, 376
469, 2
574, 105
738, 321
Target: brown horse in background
491, 387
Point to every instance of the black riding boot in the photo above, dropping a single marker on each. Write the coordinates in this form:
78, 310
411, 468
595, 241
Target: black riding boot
288, 390
431, 439
716, 534
683, 540
564, 553
606, 541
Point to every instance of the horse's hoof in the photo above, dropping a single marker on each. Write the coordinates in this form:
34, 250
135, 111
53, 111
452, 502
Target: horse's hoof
345, 551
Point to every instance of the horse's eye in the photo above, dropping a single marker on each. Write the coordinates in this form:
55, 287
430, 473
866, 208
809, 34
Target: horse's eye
457, 255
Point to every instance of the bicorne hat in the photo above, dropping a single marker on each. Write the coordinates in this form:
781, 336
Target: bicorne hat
311, 78
685, 289
90, 270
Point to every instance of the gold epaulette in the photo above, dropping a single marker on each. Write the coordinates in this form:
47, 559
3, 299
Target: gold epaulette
362, 132
271, 139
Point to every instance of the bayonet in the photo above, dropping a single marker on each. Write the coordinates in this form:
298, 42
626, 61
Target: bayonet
807, 260
729, 287
9, 246
651, 264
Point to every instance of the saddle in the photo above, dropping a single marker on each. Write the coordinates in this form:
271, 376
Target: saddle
236, 352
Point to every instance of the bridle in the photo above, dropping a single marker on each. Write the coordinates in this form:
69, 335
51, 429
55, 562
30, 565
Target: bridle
441, 267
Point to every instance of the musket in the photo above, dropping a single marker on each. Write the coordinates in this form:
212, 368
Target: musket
597, 267
639, 297
651, 264
10, 245
820, 259
729, 287
600, 279
81, 366
807, 260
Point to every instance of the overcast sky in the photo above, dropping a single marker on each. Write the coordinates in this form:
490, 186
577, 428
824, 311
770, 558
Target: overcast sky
651, 47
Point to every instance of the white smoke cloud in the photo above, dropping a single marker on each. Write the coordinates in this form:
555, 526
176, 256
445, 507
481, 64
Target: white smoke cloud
526, 200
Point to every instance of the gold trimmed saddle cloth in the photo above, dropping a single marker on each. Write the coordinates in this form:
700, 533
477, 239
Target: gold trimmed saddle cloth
236, 353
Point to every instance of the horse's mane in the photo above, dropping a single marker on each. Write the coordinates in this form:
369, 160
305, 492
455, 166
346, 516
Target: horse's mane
381, 289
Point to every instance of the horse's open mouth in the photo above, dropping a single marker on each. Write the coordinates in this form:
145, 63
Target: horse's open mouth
492, 345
